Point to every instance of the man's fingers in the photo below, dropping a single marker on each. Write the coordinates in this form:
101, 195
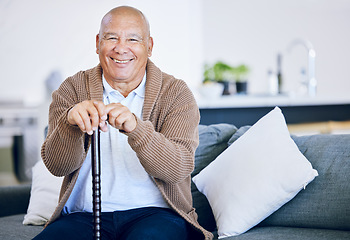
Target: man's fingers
85, 125
112, 106
102, 110
94, 120
87, 115
120, 117
76, 119
103, 126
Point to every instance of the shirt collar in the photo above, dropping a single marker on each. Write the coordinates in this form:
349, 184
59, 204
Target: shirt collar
140, 90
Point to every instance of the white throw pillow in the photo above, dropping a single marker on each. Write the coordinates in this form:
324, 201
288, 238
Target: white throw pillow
43, 196
255, 176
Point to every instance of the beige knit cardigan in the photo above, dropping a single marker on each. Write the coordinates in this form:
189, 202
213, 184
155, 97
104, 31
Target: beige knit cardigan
164, 140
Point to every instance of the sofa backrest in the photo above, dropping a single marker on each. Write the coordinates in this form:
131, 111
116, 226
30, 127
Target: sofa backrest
213, 140
325, 203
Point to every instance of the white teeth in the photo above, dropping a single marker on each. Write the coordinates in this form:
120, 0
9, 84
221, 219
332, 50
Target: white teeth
118, 61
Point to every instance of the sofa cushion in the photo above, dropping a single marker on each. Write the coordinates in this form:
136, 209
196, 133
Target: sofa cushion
212, 141
328, 195
44, 195
326, 201
238, 134
14, 199
290, 233
255, 176
11, 227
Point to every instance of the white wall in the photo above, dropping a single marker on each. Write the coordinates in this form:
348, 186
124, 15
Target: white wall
254, 31
40, 36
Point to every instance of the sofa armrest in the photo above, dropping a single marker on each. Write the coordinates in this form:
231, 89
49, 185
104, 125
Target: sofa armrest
14, 199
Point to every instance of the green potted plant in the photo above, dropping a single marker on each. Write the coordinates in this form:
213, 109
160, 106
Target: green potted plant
220, 72
240, 75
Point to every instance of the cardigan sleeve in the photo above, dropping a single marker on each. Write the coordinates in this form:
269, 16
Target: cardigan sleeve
166, 146
65, 146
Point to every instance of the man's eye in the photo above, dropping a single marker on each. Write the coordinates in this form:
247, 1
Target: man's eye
134, 40
111, 39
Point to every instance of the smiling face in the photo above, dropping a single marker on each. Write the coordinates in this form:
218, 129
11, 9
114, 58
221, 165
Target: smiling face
124, 45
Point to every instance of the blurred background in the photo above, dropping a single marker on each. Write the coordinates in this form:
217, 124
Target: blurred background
44, 42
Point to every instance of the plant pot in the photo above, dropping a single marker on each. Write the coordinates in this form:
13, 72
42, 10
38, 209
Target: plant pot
226, 90
211, 90
241, 87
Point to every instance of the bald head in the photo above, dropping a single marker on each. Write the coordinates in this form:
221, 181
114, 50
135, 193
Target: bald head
125, 11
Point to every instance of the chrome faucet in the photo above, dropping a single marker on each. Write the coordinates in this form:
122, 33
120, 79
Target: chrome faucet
312, 82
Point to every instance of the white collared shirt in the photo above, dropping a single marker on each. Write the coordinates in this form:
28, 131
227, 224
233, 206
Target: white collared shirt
124, 182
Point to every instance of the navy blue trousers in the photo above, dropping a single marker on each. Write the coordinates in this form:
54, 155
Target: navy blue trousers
148, 223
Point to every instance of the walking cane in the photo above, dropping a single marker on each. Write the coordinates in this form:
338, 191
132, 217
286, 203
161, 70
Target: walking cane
96, 182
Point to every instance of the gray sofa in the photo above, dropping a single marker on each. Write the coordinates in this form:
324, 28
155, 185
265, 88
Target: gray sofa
321, 211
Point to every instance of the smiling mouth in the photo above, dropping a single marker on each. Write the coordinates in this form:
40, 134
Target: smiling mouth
122, 61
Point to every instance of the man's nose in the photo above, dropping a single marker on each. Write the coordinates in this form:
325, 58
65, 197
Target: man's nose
121, 46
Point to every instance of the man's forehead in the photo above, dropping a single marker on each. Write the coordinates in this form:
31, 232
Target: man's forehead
133, 16
120, 34
124, 16
123, 29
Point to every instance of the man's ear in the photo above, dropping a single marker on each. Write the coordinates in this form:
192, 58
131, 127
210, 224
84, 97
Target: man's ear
150, 46
98, 44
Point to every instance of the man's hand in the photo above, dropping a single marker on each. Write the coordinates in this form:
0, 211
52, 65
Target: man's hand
88, 115
120, 117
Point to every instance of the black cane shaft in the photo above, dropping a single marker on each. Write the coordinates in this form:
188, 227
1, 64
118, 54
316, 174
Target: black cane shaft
96, 183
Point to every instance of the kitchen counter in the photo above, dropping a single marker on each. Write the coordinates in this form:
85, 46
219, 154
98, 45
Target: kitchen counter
246, 110
246, 101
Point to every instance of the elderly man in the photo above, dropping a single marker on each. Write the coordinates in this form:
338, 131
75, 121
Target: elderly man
149, 135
